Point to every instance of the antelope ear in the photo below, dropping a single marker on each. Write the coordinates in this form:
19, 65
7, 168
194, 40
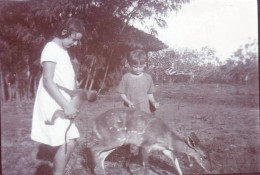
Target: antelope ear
193, 140
190, 142
194, 137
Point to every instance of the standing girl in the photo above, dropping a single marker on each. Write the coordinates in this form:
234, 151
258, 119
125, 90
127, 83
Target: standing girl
136, 87
57, 70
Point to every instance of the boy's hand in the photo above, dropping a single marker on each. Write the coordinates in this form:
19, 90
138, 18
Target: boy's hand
131, 105
156, 105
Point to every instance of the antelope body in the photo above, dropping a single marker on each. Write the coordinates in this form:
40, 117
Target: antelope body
122, 126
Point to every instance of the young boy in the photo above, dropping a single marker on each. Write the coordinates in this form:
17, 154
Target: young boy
136, 87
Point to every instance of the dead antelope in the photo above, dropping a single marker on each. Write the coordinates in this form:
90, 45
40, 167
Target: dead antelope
122, 126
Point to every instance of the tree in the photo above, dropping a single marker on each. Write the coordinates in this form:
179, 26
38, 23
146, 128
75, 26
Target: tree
203, 64
27, 25
243, 64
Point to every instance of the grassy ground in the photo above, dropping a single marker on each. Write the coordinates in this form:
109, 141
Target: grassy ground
225, 118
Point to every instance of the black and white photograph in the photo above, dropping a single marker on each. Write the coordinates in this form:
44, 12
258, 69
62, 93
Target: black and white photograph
129, 87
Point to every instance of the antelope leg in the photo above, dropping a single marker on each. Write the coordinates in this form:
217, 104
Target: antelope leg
145, 155
99, 159
175, 161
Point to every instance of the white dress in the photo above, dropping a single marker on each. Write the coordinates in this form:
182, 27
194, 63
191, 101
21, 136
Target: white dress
45, 105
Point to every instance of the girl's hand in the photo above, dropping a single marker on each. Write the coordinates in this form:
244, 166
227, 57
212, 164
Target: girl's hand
70, 111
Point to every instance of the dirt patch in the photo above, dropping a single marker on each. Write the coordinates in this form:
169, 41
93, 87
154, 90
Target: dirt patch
225, 118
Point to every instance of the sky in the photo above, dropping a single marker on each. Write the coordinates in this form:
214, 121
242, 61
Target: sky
223, 25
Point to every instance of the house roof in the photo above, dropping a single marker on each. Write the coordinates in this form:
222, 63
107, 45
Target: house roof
133, 38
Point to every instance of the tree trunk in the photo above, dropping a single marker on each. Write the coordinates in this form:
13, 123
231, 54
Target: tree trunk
34, 87
86, 84
89, 72
29, 94
2, 86
18, 95
104, 79
92, 80
17, 90
91, 84
105, 75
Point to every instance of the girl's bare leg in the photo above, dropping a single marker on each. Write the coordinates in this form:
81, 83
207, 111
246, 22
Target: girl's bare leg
61, 159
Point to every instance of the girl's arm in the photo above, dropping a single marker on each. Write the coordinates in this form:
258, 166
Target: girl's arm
152, 100
130, 104
52, 89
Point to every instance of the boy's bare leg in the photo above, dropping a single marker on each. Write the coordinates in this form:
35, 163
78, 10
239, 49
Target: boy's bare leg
61, 159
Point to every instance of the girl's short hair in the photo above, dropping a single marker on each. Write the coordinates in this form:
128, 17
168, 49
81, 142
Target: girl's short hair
70, 25
136, 57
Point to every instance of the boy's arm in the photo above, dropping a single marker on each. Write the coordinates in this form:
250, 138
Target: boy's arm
130, 104
152, 100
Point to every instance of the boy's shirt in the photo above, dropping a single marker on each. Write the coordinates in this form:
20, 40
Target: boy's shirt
136, 90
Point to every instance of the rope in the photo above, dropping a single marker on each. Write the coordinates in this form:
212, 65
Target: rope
71, 121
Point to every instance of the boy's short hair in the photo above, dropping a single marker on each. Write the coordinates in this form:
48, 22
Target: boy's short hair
70, 25
137, 56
